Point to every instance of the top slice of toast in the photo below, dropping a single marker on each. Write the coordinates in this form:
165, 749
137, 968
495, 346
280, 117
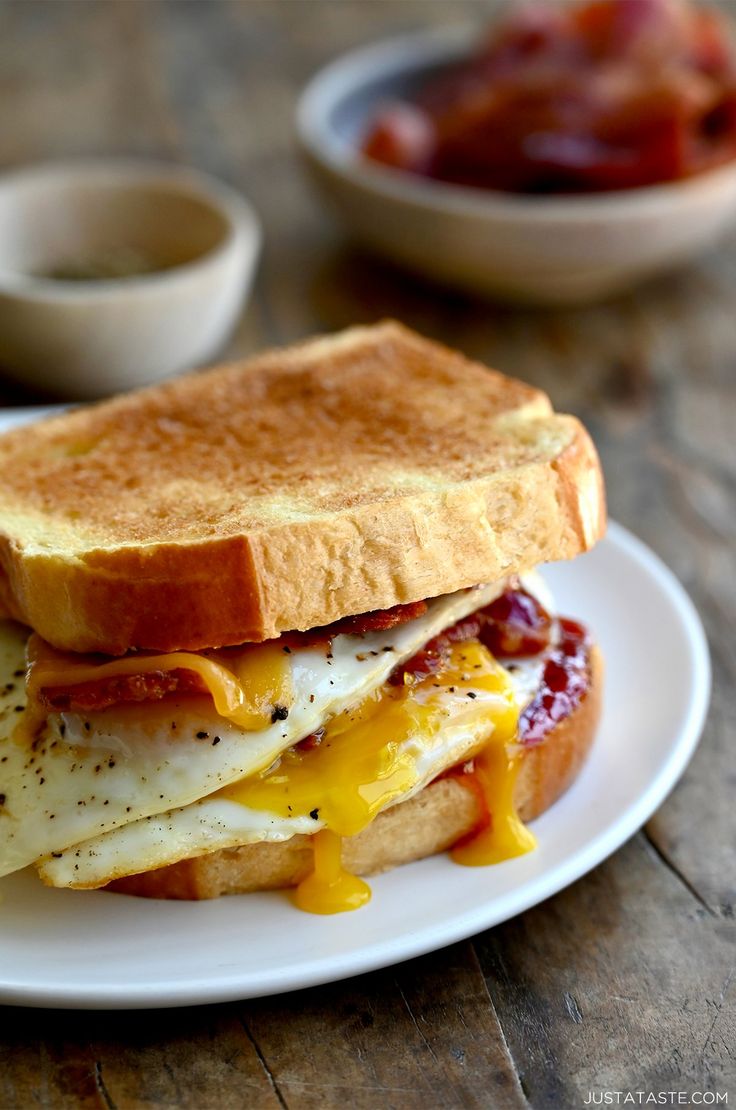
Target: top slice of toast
345, 474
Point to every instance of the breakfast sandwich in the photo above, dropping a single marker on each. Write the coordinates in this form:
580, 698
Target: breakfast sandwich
278, 624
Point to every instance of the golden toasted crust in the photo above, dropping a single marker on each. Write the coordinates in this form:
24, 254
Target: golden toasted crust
430, 822
346, 474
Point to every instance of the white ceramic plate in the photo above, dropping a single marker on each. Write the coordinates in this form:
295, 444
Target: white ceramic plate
98, 950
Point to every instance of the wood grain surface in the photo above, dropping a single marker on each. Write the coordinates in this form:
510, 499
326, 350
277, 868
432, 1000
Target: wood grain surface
625, 981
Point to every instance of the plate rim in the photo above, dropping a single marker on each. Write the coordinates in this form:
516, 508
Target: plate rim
231, 986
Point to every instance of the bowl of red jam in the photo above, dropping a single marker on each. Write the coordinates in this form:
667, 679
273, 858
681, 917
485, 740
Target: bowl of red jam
558, 157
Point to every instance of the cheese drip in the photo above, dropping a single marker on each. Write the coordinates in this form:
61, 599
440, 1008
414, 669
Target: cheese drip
369, 757
244, 684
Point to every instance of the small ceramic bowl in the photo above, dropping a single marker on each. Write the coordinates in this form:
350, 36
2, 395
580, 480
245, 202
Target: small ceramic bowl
544, 250
114, 274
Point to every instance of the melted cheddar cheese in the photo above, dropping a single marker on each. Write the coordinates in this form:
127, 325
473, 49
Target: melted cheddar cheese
245, 685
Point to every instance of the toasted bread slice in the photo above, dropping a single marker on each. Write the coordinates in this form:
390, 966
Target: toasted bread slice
343, 475
430, 822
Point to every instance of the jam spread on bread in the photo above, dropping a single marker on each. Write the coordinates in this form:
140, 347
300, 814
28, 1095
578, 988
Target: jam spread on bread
565, 682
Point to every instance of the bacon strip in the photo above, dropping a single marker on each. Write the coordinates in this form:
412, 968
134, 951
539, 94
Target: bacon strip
379, 620
90, 696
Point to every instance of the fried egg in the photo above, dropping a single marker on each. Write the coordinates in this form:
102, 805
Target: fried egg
370, 757
97, 776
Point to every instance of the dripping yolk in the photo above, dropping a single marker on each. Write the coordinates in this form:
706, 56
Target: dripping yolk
380, 751
329, 888
503, 836
372, 755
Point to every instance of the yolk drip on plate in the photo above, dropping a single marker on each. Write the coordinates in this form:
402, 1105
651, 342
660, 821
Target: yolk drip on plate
370, 756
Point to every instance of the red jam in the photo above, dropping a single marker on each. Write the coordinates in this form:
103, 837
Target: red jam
515, 624
574, 98
565, 681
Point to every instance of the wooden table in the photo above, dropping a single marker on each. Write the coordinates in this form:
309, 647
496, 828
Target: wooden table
625, 980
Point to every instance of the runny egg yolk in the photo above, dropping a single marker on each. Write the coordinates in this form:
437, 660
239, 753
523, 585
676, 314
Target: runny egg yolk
330, 888
369, 757
503, 835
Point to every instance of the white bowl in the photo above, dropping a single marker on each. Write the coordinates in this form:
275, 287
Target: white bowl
82, 338
544, 250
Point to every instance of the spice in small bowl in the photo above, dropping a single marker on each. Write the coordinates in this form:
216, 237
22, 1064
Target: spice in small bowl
114, 274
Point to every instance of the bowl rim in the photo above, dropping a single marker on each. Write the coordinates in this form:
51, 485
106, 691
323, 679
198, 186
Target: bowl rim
242, 227
411, 52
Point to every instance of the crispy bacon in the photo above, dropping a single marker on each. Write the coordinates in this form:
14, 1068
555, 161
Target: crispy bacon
379, 620
102, 693
433, 656
573, 98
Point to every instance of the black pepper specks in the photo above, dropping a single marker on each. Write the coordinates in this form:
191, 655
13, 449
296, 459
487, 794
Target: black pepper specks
314, 814
203, 735
471, 694
216, 740
280, 713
